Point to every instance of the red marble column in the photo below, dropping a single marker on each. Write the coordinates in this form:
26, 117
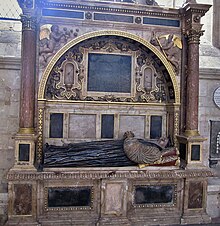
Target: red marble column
192, 87
28, 59
192, 28
192, 81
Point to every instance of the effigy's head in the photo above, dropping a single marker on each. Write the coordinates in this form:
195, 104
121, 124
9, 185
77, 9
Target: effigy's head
128, 134
163, 141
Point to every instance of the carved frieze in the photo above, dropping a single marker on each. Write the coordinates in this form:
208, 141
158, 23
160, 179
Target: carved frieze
144, 77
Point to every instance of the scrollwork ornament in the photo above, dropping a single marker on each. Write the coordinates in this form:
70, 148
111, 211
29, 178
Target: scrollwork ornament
28, 22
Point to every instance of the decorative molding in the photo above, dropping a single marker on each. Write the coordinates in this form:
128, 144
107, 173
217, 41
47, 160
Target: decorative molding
10, 63
106, 8
133, 172
209, 73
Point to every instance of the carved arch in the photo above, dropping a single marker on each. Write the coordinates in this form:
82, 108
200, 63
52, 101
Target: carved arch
84, 37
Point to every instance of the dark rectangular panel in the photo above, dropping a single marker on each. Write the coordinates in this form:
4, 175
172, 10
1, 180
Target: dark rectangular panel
69, 197
107, 130
182, 151
215, 139
56, 125
153, 194
63, 13
24, 152
113, 17
195, 152
162, 22
109, 73
195, 200
22, 199
155, 127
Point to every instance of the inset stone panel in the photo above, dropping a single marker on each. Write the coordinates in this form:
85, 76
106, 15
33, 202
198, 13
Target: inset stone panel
195, 200
58, 197
154, 195
195, 152
22, 199
82, 126
155, 127
134, 123
107, 128
24, 152
109, 73
56, 125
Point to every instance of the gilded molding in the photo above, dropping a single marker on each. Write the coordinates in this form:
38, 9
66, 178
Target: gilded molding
176, 128
26, 131
40, 135
79, 39
28, 23
191, 133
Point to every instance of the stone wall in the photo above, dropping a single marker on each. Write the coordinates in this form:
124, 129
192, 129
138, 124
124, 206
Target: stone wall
10, 50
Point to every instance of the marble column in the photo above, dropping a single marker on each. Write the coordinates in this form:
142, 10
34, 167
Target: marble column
192, 28
28, 59
192, 81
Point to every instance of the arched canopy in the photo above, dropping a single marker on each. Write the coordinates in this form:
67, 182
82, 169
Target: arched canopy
64, 49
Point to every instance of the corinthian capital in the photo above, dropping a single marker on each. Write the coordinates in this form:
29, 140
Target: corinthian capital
28, 22
193, 34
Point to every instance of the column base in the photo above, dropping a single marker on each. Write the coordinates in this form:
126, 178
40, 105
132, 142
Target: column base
191, 149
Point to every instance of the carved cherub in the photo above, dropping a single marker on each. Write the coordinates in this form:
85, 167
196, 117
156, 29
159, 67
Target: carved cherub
169, 45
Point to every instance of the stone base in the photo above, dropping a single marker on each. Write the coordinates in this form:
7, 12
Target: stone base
197, 218
160, 219
23, 223
129, 197
119, 221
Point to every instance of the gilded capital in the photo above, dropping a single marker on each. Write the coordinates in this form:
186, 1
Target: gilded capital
28, 22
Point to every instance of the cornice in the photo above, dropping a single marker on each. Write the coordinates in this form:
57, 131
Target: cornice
209, 73
110, 7
10, 63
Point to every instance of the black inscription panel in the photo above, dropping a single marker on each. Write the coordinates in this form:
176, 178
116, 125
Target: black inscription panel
56, 125
195, 152
153, 194
69, 197
109, 73
24, 152
155, 127
107, 130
